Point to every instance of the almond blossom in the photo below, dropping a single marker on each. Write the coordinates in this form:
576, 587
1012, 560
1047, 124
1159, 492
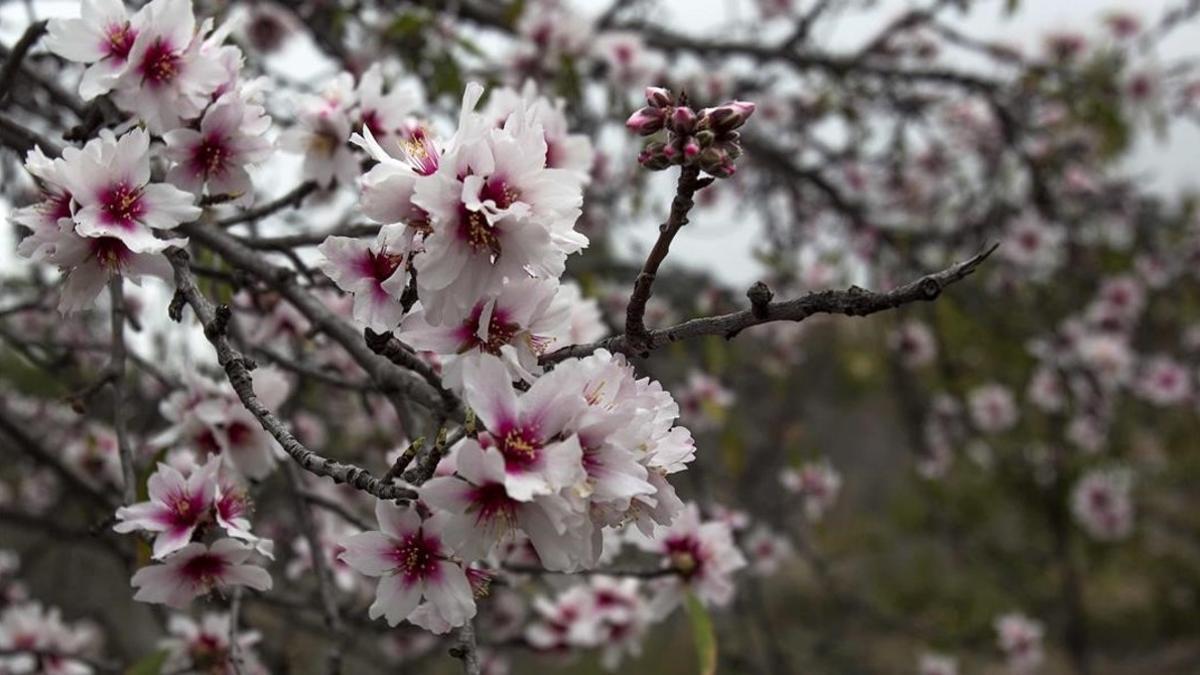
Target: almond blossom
375, 273
35, 639
322, 132
89, 263
479, 511
413, 563
177, 506
818, 483
110, 183
197, 569
605, 613
517, 325
1020, 638
102, 37
204, 645
168, 78
215, 156
496, 212
211, 419
704, 555
993, 408
527, 429
1102, 503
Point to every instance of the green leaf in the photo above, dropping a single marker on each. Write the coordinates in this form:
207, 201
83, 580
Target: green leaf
703, 635
149, 665
1012, 6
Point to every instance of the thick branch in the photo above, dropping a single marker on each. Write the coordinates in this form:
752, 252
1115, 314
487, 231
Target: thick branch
215, 320
851, 302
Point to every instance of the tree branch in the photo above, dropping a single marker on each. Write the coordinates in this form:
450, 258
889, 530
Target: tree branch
386, 375
851, 302
215, 322
689, 183
16, 56
116, 368
292, 199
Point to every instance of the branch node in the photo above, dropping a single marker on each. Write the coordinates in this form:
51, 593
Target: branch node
760, 300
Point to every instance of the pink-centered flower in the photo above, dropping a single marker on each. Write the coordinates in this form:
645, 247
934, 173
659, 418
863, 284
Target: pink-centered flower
110, 182
528, 430
177, 506
320, 134
495, 211
54, 205
412, 562
169, 78
705, 555
1020, 638
480, 512
374, 272
215, 156
89, 262
517, 325
196, 570
102, 37
1103, 505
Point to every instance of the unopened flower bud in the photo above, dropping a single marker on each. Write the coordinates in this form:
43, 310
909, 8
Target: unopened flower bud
683, 120
645, 121
659, 97
705, 138
691, 148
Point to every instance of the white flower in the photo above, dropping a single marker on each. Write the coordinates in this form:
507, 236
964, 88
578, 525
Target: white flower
993, 408
323, 127
818, 482
705, 556
110, 182
411, 561
526, 429
914, 343
1102, 503
518, 325
1020, 638
169, 78
479, 512
1164, 381
196, 570
177, 506
215, 156
192, 646
375, 273
102, 36
495, 211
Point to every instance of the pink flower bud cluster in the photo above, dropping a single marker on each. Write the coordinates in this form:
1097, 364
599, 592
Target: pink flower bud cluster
708, 139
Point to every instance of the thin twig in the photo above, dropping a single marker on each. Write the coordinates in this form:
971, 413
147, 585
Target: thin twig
16, 429
851, 302
16, 56
235, 609
316, 551
690, 182
215, 322
116, 368
292, 199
